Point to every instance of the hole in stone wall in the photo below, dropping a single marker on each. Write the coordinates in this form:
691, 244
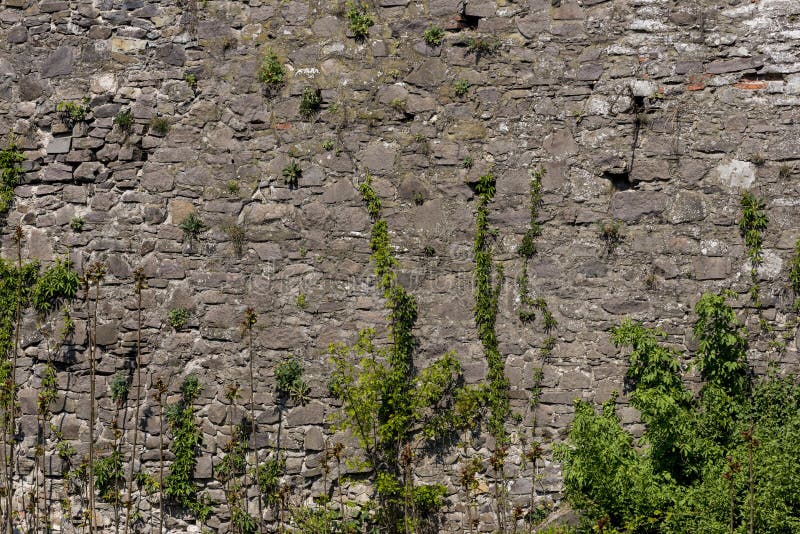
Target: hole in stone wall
620, 181
764, 77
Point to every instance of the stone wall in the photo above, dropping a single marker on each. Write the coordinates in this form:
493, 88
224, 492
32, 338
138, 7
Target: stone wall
656, 113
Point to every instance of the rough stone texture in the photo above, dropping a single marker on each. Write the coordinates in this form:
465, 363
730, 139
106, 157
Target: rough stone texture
657, 114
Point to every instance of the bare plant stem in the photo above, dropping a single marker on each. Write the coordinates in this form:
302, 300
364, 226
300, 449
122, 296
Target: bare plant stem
161, 390
139, 278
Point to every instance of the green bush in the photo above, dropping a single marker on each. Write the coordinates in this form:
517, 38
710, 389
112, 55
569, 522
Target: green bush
707, 461
310, 102
271, 72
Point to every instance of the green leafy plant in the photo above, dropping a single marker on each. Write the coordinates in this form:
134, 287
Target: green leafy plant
187, 438
10, 171
712, 461
232, 186
460, 87
359, 20
192, 227
386, 403
77, 223
289, 380
271, 72
55, 286
310, 102
178, 317
109, 476
301, 301
328, 145
191, 80
468, 162
124, 120
794, 275
160, 126
292, 173
528, 247
433, 36
72, 113
752, 224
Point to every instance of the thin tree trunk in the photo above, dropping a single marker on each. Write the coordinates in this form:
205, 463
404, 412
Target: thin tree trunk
254, 427
161, 391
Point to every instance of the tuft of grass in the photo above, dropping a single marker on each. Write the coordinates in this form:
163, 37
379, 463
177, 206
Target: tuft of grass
124, 120
460, 87
160, 126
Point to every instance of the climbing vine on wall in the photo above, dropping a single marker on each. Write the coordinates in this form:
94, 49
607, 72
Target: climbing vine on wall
389, 405
487, 291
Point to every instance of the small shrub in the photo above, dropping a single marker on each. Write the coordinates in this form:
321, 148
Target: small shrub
433, 36
292, 173
468, 162
328, 145
429, 251
289, 380
482, 46
72, 112
232, 186
159, 126
310, 102
359, 21
124, 120
302, 301
191, 80
785, 171
192, 226
120, 387
178, 317
611, 234
271, 72
419, 198
236, 235
77, 223
460, 87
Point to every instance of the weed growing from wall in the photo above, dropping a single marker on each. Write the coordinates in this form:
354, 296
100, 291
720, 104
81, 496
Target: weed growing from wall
359, 21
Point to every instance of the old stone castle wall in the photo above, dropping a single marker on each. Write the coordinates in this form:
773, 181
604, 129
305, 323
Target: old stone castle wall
655, 113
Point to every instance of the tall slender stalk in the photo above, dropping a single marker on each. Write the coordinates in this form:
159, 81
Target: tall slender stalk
93, 276
11, 424
139, 278
250, 318
161, 390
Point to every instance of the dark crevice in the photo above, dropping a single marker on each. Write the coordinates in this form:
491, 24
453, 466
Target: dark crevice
620, 181
764, 77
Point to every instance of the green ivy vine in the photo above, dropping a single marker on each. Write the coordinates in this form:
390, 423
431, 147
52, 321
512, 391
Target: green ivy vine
487, 291
10, 171
187, 438
752, 224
